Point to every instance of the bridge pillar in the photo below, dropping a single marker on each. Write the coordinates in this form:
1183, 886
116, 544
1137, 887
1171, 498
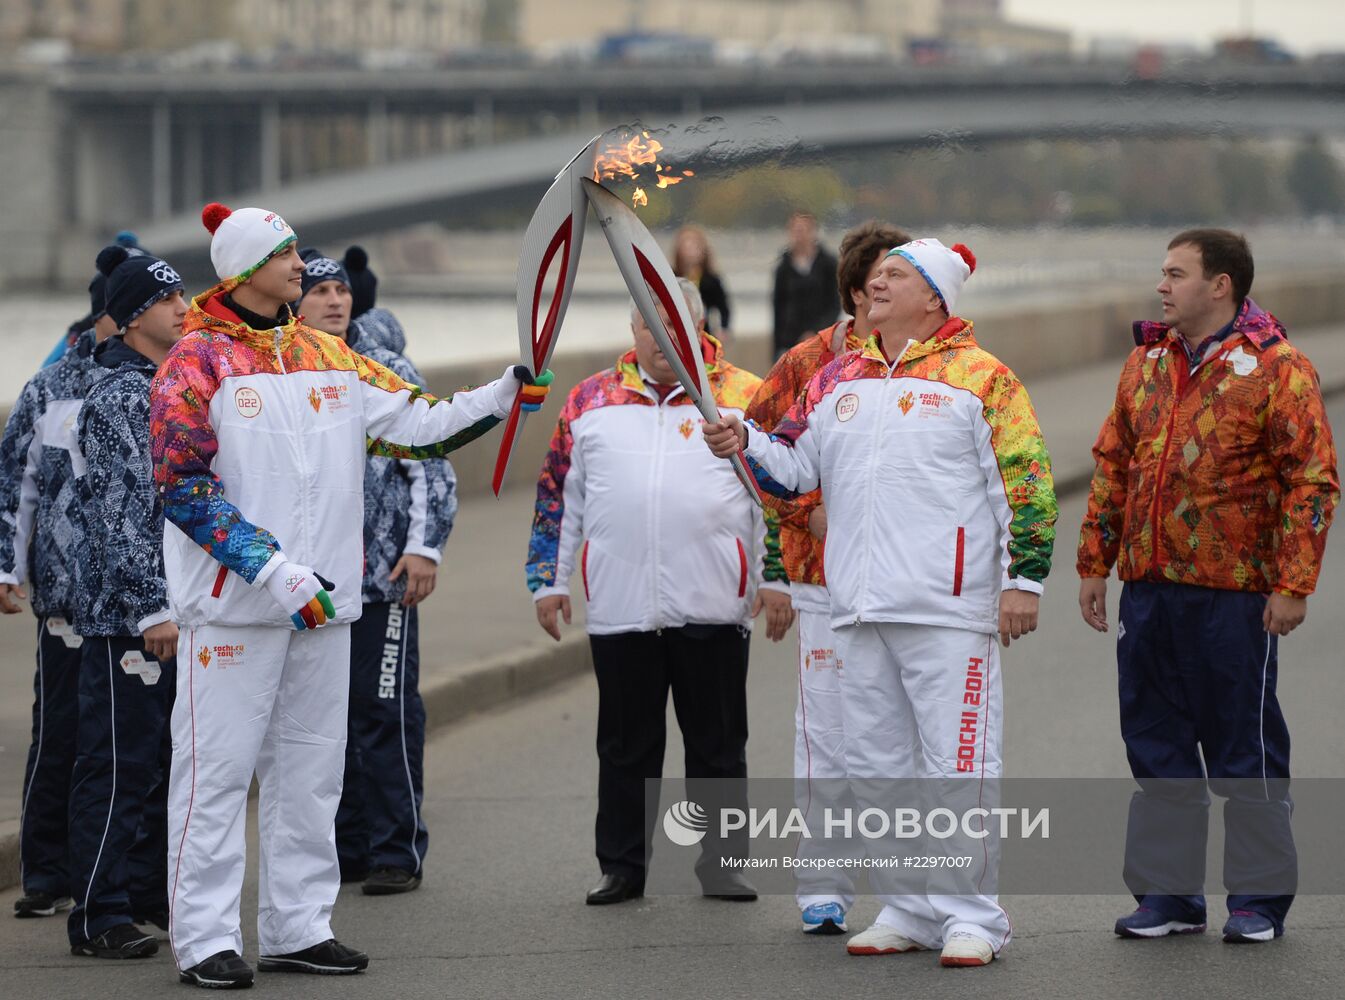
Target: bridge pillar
269, 146
192, 191
483, 121
161, 161
588, 112
376, 130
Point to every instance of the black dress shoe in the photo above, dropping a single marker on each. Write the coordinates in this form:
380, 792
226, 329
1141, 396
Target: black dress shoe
613, 889
731, 886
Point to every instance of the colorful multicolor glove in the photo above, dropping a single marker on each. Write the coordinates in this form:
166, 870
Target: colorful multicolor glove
534, 390
303, 594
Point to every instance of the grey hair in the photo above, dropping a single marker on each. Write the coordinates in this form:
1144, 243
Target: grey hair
695, 304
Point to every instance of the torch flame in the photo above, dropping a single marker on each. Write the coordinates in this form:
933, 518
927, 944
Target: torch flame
630, 159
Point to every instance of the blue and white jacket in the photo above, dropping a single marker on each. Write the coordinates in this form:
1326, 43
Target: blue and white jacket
377, 327
121, 588
408, 506
42, 530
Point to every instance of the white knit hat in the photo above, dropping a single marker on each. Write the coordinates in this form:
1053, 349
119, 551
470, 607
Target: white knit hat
243, 240
946, 270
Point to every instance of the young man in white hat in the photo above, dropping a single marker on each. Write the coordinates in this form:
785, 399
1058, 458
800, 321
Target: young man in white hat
259, 427
940, 523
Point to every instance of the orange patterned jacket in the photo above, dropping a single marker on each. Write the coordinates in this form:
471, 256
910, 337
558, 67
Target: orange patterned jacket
799, 550
1224, 477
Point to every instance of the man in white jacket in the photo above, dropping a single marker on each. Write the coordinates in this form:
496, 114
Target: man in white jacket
259, 428
940, 524
675, 561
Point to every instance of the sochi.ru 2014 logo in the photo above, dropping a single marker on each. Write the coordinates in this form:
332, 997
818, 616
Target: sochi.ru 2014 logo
685, 823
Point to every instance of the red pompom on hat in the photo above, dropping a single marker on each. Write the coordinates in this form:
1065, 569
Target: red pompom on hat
213, 214
964, 251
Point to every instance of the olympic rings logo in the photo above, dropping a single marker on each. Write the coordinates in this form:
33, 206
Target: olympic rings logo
163, 272
322, 266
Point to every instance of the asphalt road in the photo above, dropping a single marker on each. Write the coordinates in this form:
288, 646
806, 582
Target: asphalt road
510, 809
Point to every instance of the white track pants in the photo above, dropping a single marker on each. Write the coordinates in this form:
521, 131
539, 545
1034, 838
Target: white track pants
922, 701
275, 701
819, 744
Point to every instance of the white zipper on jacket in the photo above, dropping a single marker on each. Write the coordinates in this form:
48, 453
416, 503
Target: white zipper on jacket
874, 456
279, 336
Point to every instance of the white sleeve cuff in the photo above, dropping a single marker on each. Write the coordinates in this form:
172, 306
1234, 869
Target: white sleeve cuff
779, 586
1021, 583
560, 590
10, 579
149, 621
271, 566
434, 555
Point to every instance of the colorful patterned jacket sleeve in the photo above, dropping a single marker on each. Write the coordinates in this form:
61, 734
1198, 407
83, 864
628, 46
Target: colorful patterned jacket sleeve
1299, 441
123, 508
17, 488
778, 391
1019, 465
183, 445
558, 520
1100, 535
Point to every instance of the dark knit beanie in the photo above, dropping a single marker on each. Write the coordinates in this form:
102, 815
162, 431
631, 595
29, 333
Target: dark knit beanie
135, 281
319, 268
363, 282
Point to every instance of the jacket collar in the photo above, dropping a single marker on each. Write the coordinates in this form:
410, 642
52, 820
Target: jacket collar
1260, 327
116, 353
955, 334
208, 312
628, 366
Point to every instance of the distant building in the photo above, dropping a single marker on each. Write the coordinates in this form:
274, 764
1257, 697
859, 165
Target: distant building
978, 29
543, 25
113, 26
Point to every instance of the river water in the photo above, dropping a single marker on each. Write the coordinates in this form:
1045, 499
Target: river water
465, 312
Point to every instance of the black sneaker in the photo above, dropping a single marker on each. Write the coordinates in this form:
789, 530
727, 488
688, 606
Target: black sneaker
387, 881
39, 904
224, 970
121, 941
330, 958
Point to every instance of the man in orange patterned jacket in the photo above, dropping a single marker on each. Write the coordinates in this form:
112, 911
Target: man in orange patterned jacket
824, 895
1215, 485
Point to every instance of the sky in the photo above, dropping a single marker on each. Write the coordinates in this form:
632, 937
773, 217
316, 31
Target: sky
1302, 26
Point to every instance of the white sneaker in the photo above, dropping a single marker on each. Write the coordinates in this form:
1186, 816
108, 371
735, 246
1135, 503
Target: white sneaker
966, 949
880, 940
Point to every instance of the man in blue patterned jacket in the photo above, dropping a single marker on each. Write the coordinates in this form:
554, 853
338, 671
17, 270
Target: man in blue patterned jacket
118, 846
41, 539
408, 512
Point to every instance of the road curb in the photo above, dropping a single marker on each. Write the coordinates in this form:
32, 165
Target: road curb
508, 676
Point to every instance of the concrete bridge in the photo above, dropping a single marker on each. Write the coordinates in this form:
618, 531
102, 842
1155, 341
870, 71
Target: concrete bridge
96, 151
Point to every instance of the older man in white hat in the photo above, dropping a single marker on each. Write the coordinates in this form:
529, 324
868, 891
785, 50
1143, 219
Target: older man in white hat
941, 516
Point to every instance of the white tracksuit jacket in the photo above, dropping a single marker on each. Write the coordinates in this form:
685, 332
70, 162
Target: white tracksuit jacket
659, 531
259, 441
935, 477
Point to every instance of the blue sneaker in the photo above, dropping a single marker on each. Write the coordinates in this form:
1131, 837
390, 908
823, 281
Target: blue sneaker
1147, 923
824, 918
1246, 927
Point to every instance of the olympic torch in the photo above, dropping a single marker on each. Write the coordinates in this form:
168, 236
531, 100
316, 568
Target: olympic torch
556, 230
651, 283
